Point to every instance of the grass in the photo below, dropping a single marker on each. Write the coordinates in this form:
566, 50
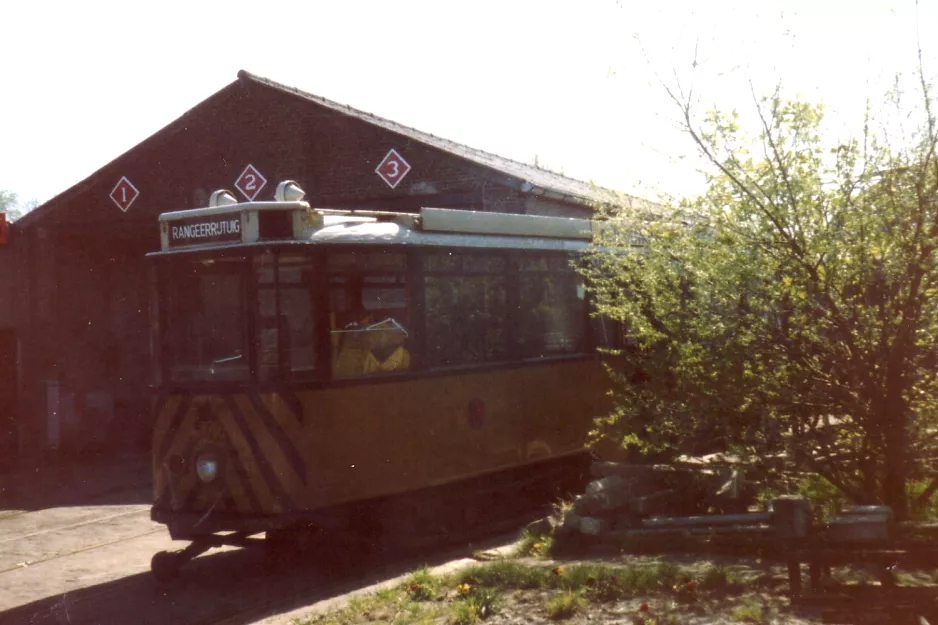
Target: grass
565, 604
473, 594
474, 604
750, 611
601, 580
503, 574
717, 576
422, 585
536, 545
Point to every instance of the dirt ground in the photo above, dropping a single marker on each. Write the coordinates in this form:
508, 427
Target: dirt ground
76, 543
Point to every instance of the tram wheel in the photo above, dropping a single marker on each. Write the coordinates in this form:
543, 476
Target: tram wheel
165, 566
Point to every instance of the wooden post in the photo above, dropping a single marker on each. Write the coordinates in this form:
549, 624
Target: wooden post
794, 575
792, 517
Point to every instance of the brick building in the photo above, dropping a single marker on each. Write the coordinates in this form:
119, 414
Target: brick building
74, 298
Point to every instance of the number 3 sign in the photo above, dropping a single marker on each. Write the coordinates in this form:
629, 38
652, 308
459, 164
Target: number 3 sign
250, 182
393, 168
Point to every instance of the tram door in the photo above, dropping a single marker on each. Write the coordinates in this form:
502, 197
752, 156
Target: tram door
8, 430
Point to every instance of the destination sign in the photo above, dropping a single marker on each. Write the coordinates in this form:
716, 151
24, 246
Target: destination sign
200, 230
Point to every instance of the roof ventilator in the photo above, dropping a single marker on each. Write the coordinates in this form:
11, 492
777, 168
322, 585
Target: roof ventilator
222, 197
289, 191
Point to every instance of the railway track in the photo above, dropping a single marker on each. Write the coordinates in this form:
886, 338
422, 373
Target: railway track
351, 576
27, 563
224, 586
237, 587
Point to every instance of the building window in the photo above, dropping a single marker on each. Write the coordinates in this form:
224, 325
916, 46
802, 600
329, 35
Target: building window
466, 308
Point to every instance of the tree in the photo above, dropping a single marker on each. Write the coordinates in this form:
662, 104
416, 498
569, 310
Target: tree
790, 310
9, 204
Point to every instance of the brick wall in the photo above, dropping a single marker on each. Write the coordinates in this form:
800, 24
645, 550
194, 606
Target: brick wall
332, 156
83, 282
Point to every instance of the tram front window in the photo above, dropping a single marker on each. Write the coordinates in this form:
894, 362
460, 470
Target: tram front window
205, 322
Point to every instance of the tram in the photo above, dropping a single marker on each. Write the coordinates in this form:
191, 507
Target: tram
352, 370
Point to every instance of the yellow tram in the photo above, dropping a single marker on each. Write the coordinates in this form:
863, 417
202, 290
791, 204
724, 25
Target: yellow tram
318, 368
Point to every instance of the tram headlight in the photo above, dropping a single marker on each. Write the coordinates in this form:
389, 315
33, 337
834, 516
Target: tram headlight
206, 466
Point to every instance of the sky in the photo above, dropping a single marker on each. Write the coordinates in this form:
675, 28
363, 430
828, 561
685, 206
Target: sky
577, 85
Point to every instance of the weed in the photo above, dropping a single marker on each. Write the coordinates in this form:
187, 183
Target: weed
412, 613
463, 613
750, 611
504, 574
422, 585
659, 619
564, 605
600, 583
648, 579
474, 604
532, 544
561, 507
487, 600
921, 510
605, 588
369, 607
387, 595
717, 576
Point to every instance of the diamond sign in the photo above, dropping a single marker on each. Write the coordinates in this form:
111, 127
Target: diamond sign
393, 168
250, 182
124, 193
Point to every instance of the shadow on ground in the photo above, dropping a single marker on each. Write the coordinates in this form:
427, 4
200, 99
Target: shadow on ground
101, 479
230, 587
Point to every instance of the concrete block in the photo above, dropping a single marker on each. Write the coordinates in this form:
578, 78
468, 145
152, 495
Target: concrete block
792, 516
605, 484
585, 505
541, 527
654, 503
571, 520
858, 528
593, 526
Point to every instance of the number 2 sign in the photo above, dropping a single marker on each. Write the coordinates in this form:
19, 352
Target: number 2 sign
250, 182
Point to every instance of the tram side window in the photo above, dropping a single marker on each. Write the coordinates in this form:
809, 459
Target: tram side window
369, 314
607, 334
467, 311
552, 307
205, 319
285, 336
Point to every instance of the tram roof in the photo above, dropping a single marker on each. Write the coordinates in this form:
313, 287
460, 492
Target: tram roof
392, 234
237, 226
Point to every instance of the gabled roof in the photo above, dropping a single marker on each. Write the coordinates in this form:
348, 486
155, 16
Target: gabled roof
538, 181
530, 179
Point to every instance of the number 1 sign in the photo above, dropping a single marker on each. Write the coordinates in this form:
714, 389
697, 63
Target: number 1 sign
124, 193
250, 182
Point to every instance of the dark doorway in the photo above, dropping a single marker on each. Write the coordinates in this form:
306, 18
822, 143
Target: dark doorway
9, 443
